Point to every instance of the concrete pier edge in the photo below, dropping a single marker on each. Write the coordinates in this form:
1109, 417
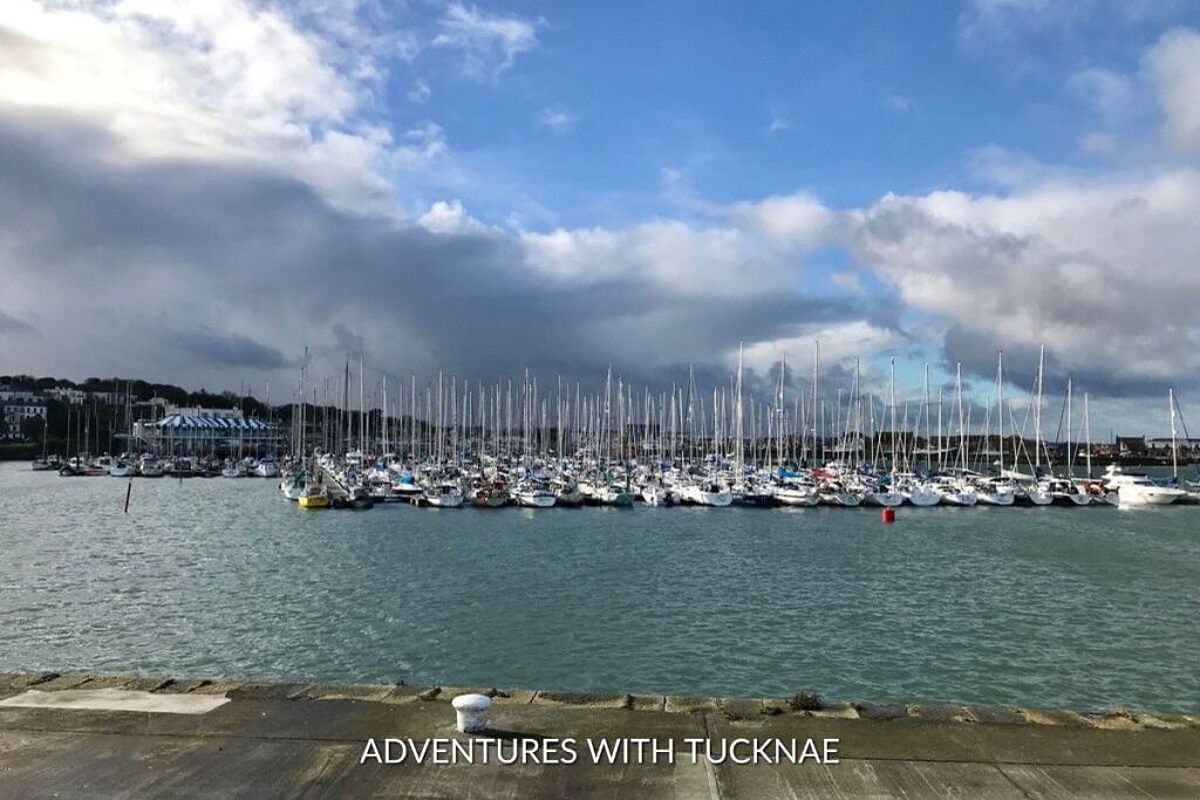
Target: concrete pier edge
141, 736
802, 704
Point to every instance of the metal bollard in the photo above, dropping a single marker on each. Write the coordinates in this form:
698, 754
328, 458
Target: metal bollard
472, 712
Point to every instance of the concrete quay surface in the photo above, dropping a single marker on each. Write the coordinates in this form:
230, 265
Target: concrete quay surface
84, 736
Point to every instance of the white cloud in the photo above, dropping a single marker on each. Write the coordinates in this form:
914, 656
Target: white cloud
419, 92
489, 43
796, 219
755, 252
992, 19
777, 125
897, 102
556, 120
848, 280
425, 141
1099, 271
222, 80
1005, 168
1097, 143
449, 217
840, 342
1173, 67
1109, 92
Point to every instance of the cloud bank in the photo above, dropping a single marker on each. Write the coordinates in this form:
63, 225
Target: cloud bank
197, 192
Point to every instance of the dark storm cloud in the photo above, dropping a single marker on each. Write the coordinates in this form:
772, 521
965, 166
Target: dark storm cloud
173, 252
978, 353
228, 350
1091, 270
11, 325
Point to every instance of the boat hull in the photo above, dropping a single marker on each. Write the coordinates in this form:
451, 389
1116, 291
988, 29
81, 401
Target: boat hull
535, 501
313, 501
885, 499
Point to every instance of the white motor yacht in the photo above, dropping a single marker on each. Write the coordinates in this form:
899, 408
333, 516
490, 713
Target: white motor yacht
1135, 489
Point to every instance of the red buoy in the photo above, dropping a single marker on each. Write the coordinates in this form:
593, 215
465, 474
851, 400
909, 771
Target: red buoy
889, 515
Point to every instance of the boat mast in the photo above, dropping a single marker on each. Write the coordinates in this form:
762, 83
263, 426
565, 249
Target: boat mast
1000, 404
815, 399
779, 411
892, 392
940, 433
962, 432
928, 444
1087, 433
362, 408
1037, 414
738, 431
1174, 448
1070, 455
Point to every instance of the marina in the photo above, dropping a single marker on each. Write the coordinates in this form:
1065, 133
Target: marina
462, 399
514, 443
1050, 607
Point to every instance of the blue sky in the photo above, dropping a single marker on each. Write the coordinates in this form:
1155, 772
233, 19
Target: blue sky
845, 100
481, 187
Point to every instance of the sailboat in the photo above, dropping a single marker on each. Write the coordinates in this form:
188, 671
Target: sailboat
532, 494
955, 489
313, 496
1030, 490
444, 495
878, 495
43, 462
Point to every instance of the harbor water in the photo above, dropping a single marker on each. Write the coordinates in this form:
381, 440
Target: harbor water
1056, 607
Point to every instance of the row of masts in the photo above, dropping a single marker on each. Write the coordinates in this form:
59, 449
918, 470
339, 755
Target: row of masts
450, 419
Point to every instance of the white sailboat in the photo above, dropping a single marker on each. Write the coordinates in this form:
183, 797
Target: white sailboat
878, 495
444, 495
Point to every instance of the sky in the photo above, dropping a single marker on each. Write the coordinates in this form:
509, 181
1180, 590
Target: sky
197, 192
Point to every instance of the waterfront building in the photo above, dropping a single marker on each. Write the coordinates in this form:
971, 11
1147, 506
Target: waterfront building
15, 411
204, 431
1131, 445
67, 395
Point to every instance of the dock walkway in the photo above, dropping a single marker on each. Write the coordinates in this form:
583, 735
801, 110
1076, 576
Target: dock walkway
181, 738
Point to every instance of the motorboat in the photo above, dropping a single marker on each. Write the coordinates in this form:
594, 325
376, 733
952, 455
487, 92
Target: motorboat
1136, 489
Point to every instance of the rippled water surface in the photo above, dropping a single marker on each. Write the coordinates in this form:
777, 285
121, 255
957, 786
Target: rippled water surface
1082, 608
